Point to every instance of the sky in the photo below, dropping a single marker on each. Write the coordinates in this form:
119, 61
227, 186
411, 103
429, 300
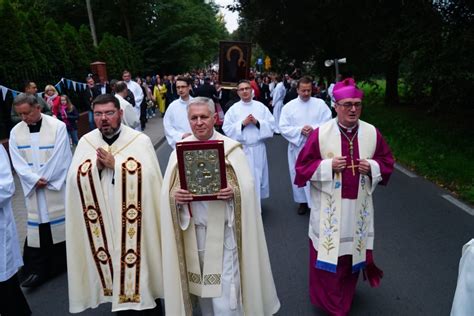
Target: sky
230, 18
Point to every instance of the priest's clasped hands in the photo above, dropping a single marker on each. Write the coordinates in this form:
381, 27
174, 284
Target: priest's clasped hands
42, 182
306, 130
250, 119
105, 159
182, 196
340, 163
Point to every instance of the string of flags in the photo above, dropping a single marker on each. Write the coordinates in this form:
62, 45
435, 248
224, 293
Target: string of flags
67, 83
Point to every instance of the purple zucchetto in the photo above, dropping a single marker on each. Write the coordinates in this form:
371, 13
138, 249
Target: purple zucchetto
347, 89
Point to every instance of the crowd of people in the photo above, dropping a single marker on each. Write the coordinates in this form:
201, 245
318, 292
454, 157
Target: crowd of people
134, 237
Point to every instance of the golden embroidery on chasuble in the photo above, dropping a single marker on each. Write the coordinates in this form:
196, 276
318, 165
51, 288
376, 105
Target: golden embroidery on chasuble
131, 201
95, 226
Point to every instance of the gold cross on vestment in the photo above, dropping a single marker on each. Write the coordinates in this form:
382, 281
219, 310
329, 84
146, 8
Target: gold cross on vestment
352, 166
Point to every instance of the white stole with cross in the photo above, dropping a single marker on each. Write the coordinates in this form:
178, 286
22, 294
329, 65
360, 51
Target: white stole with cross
330, 206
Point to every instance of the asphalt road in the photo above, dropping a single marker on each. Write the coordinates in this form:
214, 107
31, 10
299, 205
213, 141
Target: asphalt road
419, 236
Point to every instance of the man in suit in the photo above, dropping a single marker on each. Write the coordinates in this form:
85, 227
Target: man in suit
88, 96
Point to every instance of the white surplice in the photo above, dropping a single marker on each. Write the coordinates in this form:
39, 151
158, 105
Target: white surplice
175, 121
138, 96
252, 138
294, 116
277, 102
42, 155
10, 256
129, 117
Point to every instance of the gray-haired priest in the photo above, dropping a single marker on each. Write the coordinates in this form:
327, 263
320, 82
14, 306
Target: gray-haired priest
41, 154
215, 251
112, 217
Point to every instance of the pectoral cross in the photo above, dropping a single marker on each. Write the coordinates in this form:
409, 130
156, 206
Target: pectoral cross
352, 166
351, 150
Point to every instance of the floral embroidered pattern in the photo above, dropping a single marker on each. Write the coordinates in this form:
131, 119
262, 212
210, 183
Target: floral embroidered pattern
362, 226
329, 225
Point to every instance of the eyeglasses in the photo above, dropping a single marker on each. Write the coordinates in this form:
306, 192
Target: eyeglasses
108, 114
349, 105
244, 89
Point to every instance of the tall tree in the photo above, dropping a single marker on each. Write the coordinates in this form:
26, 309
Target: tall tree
91, 22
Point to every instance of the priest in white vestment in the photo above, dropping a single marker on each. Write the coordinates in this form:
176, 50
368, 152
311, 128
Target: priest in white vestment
175, 121
463, 303
345, 159
250, 123
12, 300
298, 119
129, 117
278, 95
137, 93
41, 154
112, 217
215, 250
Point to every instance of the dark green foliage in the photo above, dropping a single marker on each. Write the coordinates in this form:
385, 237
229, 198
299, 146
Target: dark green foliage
119, 54
75, 49
17, 58
180, 35
429, 44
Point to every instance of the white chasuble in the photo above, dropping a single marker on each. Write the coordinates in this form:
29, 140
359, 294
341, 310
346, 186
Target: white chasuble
47, 155
112, 225
333, 212
237, 282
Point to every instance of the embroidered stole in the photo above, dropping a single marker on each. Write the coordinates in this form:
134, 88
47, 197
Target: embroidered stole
54, 199
130, 229
94, 221
208, 282
331, 203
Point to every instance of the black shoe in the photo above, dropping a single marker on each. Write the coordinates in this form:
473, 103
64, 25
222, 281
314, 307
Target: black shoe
303, 208
33, 280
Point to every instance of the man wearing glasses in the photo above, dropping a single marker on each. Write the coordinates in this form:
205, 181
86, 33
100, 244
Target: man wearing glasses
112, 216
344, 159
250, 123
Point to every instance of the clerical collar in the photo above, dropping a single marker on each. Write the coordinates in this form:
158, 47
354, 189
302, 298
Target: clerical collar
111, 139
348, 129
35, 128
247, 102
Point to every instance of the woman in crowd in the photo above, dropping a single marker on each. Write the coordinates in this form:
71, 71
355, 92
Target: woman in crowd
69, 115
52, 99
159, 92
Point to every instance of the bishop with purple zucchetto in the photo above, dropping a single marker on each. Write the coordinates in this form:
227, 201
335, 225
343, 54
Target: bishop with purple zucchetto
344, 159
